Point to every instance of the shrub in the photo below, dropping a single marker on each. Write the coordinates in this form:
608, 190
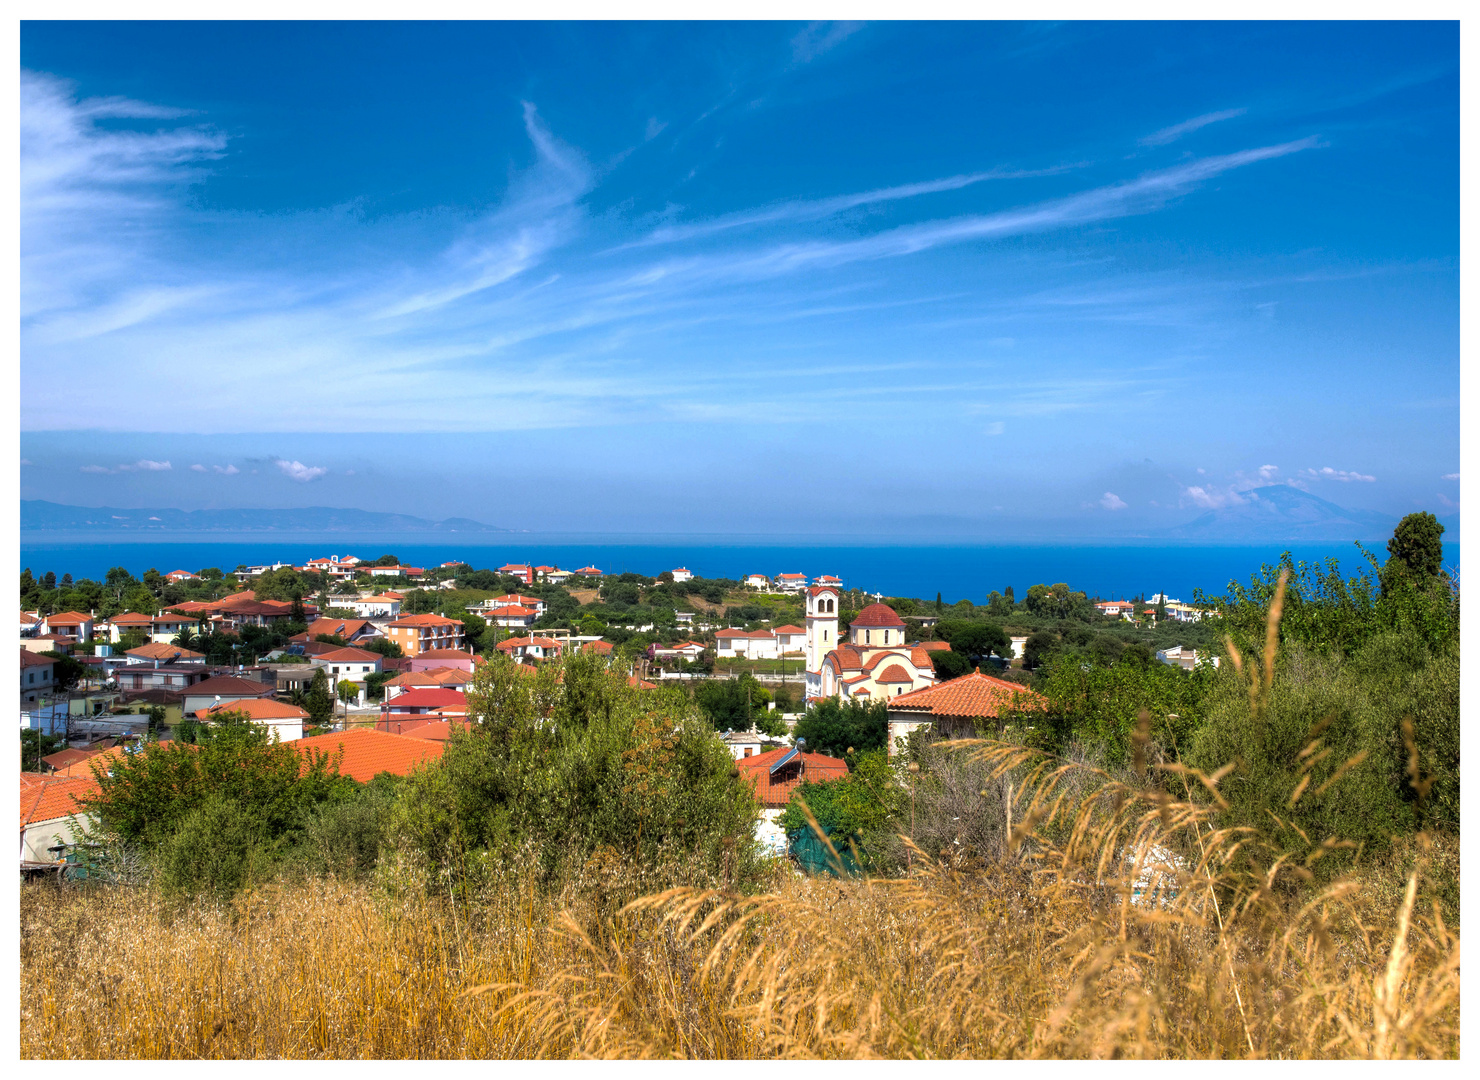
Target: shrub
218, 847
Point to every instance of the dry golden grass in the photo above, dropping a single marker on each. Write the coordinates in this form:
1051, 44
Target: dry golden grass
1020, 959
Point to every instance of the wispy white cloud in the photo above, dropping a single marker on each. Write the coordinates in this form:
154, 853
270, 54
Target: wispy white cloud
819, 209
1266, 472
296, 470
1186, 127
1450, 476
142, 465
1340, 475
511, 304
1112, 501
1209, 497
198, 468
226, 470
821, 37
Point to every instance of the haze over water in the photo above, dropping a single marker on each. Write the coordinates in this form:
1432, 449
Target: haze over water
956, 571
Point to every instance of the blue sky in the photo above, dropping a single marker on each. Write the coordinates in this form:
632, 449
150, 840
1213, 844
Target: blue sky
997, 280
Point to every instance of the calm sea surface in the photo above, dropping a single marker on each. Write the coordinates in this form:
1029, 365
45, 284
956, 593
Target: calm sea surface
957, 572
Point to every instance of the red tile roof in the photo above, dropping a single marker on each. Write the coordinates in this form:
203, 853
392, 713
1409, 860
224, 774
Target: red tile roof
68, 618
512, 611
788, 629
256, 709
345, 628
446, 654
132, 618
159, 651
600, 647
935, 646
434, 677
62, 758
50, 798
894, 674
30, 659
877, 615
974, 695
347, 655
231, 686
776, 793
425, 620
364, 753
518, 642
429, 697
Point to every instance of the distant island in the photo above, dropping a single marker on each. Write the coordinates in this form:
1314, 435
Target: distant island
1279, 512
37, 515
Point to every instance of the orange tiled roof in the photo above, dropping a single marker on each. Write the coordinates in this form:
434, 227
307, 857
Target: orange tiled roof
256, 708
428, 697
345, 628
364, 753
518, 642
84, 769
512, 612
50, 798
601, 647
446, 654
934, 646
68, 618
974, 695
815, 767
788, 629
132, 618
894, 674
160, 651
425, 620
345, 654
441, 676
31, 659
878, 615
230, 684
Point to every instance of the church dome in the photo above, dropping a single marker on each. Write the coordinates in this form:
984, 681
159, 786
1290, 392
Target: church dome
877, 615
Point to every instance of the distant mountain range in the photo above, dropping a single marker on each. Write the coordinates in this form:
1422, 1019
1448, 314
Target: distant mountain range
1279, 512
38, 515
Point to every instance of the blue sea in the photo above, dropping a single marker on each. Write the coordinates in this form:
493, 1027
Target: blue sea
1111, 571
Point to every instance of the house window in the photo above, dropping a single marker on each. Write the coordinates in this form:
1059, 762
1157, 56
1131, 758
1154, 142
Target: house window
868, 637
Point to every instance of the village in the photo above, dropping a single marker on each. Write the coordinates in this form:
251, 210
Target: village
397, 681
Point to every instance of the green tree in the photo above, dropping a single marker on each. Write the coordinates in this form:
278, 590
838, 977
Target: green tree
850, 809
1037, 648
1099, 704
949, 664
975, 638
835, 727
66, 673
387, 560
384, 646
320, 704
732, 704
1416, 550
36, 745
144, 797
573, 760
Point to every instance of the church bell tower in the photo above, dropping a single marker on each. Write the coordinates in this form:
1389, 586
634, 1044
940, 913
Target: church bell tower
822, 634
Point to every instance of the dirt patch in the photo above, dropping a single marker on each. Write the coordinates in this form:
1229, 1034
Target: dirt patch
584, 596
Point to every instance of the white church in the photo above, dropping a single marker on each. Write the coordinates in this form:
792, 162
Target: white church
872, 664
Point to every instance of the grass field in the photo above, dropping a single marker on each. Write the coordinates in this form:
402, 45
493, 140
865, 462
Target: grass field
1053, 951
